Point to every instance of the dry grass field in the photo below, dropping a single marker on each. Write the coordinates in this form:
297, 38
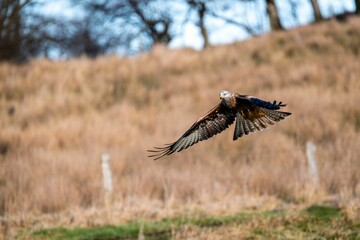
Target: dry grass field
57, 118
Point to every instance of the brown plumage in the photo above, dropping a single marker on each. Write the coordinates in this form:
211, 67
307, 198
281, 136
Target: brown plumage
249, 113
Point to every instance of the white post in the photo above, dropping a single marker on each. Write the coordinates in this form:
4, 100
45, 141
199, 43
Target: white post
312, 164
106, 174
141, 235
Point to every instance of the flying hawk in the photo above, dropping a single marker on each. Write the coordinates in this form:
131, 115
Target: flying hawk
249, 113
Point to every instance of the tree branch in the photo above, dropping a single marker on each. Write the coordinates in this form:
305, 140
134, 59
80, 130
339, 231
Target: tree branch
233, 22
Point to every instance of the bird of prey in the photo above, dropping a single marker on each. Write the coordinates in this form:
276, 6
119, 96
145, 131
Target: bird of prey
248, 112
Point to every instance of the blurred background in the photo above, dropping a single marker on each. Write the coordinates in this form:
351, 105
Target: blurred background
70, 28
85, 79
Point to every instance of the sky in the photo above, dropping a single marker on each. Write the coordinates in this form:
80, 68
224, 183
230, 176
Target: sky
221, 32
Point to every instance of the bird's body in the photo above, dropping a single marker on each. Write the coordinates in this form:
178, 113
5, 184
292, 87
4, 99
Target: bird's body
249, 113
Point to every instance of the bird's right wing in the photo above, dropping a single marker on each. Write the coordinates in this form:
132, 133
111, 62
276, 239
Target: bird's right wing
215, 121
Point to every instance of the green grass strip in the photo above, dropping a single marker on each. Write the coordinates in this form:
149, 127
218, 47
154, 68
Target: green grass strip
315, 222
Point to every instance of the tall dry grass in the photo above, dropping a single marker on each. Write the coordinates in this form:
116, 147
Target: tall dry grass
58, 117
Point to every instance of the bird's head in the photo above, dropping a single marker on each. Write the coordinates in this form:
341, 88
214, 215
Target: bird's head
224, 94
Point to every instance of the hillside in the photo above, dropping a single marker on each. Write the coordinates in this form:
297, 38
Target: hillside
57, 118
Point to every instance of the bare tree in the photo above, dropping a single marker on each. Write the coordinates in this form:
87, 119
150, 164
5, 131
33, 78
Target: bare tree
273, 14
23, 32
85, 36
11, 23
140, 23
157, 27
215, 9
316, 8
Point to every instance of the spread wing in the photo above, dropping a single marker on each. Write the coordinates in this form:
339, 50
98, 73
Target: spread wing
256, 114
215, 121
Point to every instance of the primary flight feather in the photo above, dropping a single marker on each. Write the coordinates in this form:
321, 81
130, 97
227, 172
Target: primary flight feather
249, 113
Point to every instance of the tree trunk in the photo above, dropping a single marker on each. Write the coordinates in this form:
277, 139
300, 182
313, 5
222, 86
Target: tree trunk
201, 10
357, 3
10, 30
204, 34
317, 13
271, 10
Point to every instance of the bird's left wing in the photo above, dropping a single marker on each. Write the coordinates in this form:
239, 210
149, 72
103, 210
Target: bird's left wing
215, 121
256, 114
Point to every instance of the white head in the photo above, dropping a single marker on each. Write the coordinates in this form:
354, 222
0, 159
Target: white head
224, 94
